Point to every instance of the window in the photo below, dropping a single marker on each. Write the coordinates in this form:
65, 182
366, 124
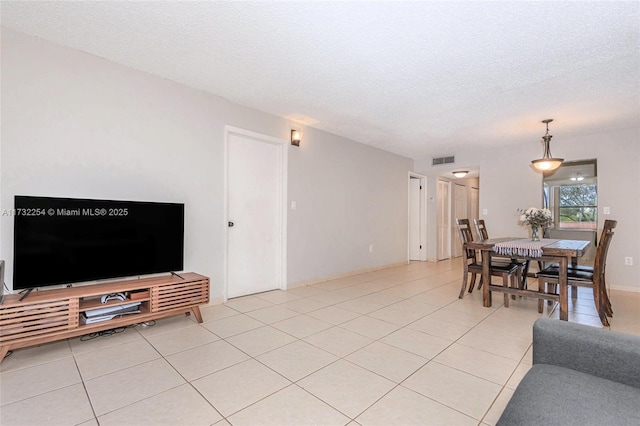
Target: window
571, 193
578, 207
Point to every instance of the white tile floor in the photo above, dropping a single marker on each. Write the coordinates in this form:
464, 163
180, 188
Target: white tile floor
391, 347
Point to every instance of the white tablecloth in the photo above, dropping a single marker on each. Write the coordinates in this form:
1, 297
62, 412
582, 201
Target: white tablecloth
524, 247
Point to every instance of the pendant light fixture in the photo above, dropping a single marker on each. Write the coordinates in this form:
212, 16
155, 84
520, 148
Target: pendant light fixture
547, 162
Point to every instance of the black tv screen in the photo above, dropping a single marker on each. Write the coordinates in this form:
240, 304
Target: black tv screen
67, 240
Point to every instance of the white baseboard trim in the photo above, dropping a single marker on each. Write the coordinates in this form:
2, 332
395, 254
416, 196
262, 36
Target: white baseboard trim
216, 301
625, 288
346, 274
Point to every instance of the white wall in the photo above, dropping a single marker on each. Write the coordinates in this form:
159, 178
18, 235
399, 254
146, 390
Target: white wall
508, 183
344, 206
79, 126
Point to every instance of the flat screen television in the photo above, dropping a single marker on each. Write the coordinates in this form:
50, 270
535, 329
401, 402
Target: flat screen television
68, 240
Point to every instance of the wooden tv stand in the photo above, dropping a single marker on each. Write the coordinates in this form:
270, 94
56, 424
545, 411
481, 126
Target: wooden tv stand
49, 315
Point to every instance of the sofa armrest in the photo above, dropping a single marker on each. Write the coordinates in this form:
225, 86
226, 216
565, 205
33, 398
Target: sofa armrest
607, 354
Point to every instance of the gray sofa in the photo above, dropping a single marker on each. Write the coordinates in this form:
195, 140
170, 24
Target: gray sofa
581, 375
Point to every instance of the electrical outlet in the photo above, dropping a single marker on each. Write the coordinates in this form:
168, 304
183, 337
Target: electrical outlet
606, 210
485, 212
628, 261
293, 205
370, 247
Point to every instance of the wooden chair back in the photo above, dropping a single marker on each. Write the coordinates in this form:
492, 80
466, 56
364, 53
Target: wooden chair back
481, 229
466, 236
600, 263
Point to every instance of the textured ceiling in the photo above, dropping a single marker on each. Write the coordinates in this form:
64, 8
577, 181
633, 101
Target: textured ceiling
419, 79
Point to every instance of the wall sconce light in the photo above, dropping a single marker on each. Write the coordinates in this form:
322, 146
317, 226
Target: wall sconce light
460, 173
547, 162
296, 137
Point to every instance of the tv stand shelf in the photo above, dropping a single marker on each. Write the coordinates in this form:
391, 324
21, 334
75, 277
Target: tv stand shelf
49, 315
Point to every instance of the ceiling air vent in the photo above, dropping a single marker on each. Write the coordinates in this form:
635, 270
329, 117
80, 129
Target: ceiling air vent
443, 160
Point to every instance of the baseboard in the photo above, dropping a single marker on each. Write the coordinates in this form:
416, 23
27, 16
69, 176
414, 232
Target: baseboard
346, 274
216, 301
624, 288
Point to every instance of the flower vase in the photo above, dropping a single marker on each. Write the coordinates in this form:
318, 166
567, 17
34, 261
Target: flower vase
534, 233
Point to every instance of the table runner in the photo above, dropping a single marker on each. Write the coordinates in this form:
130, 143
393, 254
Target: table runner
524, 247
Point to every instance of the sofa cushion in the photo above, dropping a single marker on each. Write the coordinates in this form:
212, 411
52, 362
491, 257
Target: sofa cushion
608, 354
552, 395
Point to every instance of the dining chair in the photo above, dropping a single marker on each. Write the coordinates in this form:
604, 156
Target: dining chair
483, 234
609, 225
481, 229
585, 275
505, 269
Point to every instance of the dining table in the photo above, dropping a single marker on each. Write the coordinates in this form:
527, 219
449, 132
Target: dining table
565, 252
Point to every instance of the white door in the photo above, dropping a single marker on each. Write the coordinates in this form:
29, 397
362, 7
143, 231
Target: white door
256, 221
459, 212
444, 220
415, 231
474, 208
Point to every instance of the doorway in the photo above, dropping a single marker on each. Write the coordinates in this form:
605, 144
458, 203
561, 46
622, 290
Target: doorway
459, 212
474, 212
444, 219
417, 249
255, 222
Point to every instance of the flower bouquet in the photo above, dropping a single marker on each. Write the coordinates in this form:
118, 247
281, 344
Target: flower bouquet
535, 218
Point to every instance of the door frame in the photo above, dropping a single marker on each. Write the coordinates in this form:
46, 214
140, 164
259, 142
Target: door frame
447, 235
454, 228
423, 215
282, 202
